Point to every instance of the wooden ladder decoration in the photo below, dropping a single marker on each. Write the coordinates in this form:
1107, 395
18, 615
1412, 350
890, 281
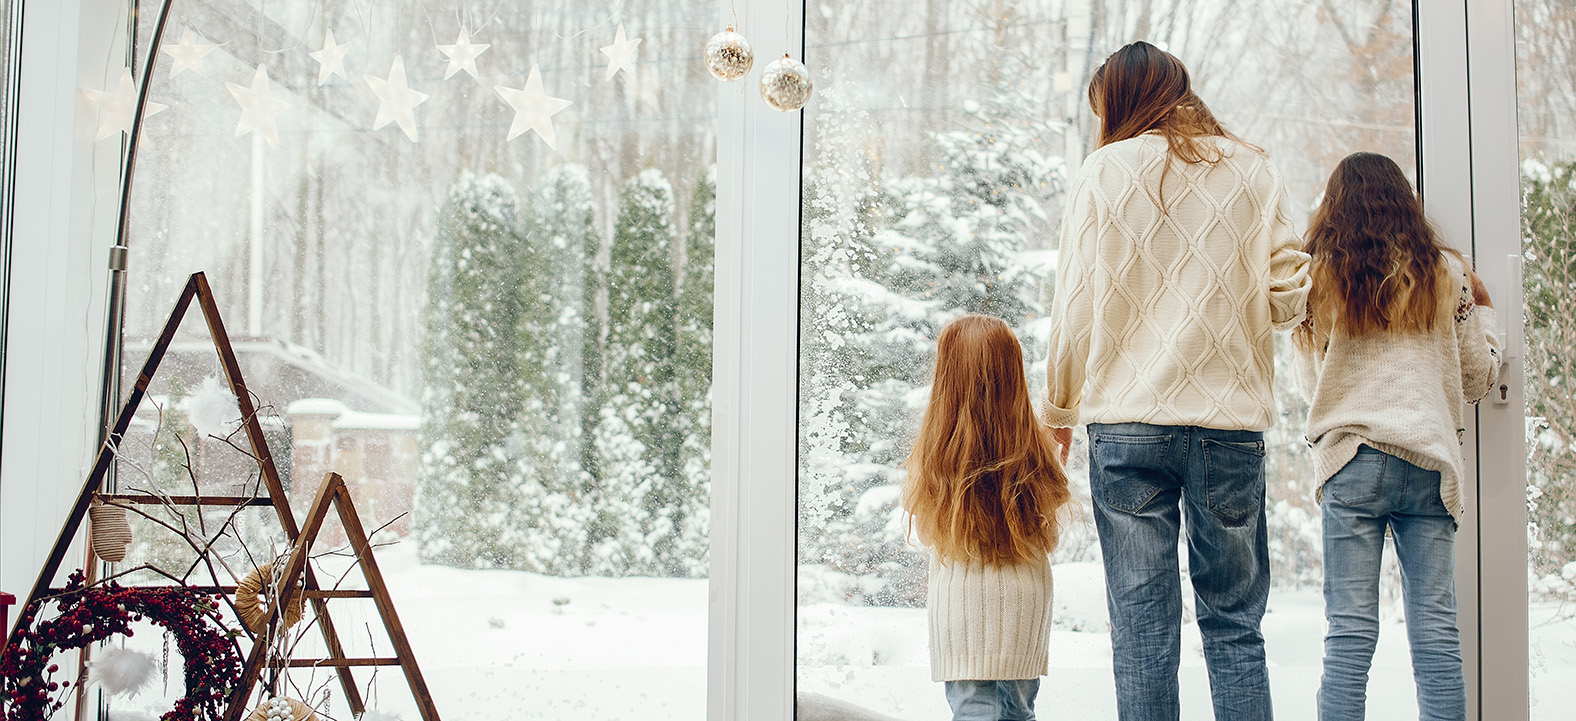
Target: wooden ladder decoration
332, 493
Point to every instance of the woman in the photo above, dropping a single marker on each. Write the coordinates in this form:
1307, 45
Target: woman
1177, 265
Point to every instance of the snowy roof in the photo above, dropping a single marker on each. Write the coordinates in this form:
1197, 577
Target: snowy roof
331, 379
316, 407
347, 419
356, 420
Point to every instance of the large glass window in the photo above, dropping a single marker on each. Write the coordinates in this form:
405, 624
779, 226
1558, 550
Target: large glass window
464, 251
934, 188
1546, 92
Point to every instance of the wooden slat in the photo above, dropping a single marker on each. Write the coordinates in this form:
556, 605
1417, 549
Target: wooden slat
309, 593
336, 662
145, 499
339, 593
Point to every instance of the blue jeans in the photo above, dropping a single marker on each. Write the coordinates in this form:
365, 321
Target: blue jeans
1146, 480
1373, 491
993, 700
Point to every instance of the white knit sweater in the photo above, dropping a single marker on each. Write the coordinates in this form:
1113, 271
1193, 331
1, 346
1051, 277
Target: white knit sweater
989, 623
1402, 393
1169, 318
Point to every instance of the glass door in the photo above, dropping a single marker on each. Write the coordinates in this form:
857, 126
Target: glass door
464, 252
1546, 101
934, 187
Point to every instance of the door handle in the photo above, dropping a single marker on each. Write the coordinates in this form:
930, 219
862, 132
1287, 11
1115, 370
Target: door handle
1507, 351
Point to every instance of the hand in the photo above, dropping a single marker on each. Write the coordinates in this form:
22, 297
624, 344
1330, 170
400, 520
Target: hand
1480, 292
1064, 441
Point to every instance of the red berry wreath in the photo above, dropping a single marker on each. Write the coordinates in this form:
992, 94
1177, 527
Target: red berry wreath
90, 615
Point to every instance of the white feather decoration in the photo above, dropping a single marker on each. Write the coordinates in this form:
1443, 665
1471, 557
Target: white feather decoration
124, 672
212, 409
372, 715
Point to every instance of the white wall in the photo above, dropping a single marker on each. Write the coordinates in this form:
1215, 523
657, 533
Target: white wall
67, 193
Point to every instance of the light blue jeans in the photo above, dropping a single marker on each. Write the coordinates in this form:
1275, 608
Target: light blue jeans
993, 700
1146, 480
1373, 491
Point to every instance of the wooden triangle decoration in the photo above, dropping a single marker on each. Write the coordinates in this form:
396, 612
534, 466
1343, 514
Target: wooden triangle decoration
333, 493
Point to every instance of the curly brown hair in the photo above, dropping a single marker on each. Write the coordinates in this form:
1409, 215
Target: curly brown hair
983, 480
1378, 264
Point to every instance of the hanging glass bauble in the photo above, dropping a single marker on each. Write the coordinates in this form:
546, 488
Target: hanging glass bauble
785, 84
728, 55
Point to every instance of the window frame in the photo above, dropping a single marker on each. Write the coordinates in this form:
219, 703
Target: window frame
1464, 59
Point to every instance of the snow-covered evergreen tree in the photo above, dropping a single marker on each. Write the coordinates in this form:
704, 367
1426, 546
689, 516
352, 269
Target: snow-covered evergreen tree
553, 333
890, 262
693, 369
470, 495
641, 492
1548, 221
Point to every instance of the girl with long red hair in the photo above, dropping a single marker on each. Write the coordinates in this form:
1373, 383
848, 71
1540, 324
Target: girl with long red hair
1398, 336
983, 492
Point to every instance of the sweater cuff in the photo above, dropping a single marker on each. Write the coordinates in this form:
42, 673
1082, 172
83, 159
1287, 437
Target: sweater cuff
1057, 417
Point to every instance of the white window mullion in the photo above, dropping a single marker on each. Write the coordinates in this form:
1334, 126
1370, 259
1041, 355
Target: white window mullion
1502, 466
754, 437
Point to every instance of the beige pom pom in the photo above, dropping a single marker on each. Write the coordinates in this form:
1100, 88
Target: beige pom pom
108, 531
249, 600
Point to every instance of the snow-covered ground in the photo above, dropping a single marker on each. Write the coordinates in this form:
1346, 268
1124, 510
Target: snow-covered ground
510, 645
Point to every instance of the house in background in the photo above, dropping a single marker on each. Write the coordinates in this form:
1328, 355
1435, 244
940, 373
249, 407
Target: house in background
315, 417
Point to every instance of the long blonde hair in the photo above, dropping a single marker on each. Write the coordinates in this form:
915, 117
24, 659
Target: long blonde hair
1378, 264
983, 481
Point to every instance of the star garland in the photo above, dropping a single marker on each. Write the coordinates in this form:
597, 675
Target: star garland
188, 54
116, 109
462, 56
621, 54
397, 101
88, 615
533, 109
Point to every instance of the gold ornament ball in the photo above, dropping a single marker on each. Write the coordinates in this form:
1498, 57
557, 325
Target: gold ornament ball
785, 84
728, 55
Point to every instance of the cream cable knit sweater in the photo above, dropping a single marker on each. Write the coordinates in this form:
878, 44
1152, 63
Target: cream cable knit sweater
1170, 318
989, 623
1402, 393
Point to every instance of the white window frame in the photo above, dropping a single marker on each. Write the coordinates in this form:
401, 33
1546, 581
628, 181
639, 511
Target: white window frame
64, 208
1469, 63
755, 380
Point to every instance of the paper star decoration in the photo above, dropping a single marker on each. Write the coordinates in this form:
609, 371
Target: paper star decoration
462, 56
116, 109
621, 54
396, 101
331, 59
187, 54
258, 107
533, 109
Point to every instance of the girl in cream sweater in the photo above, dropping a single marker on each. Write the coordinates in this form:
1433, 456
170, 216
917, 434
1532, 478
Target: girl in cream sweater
983, 491
1399, 335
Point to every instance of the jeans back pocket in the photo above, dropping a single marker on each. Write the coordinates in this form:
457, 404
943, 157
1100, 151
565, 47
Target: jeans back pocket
1233, 479
1357, 483
1127, 469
